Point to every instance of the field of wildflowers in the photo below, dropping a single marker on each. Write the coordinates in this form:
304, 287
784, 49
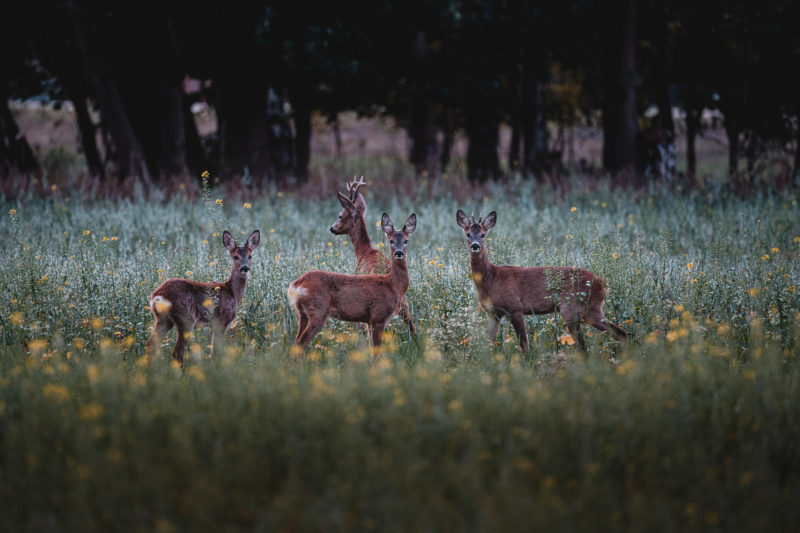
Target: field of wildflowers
693, 424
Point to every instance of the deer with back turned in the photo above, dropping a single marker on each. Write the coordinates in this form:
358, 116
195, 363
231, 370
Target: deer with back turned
369, 260
186, 305
372, 299
513, 292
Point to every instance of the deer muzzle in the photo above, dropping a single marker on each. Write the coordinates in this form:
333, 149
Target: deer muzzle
399, 255
475, 247
244, 269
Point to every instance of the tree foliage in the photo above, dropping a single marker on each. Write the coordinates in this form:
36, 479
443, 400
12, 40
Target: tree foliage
436, 66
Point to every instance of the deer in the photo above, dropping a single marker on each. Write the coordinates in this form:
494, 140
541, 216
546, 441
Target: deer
372, 299
369, 260
188, 305
512, 291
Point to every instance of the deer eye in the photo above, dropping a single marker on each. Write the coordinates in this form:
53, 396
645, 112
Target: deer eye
236, 257
483, 235
340, 217
405, 241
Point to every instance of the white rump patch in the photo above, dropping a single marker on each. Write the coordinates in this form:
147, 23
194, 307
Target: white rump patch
295, 293
160, 305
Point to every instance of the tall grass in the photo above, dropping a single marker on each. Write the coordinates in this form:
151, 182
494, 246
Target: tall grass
693, 424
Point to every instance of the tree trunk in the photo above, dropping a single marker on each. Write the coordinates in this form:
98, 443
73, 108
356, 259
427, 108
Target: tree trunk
172, 160
666, 125
482, 159
515, 122
619, 117
425, 143
337, 136
88, 135
280, 143
448, 131
534, 126
15, 152
514, 146
796, 169
243, 137
302, 132
131, 156
692, 127
732, 131
196, 158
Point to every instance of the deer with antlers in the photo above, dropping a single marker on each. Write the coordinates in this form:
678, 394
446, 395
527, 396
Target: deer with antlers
514, 292
372, 299
369, 260
188, 305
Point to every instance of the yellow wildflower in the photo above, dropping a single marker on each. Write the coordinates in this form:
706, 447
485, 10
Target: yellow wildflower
566, 338
55, 392
37, 345
91, 411
626, 367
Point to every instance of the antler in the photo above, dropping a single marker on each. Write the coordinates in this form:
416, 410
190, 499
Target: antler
352, 187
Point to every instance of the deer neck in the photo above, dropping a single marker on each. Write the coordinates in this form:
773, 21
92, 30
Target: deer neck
362, 245
481, 268
399, 275
236, 283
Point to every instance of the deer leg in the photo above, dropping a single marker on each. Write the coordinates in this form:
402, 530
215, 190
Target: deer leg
405, 314
574, 327
160, 328
518, 321
376, 332
597, 319
180, 346
302, 323
217, 339
493, 326
313, 326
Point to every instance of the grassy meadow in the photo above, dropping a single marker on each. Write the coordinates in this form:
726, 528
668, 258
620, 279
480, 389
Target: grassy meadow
693, 424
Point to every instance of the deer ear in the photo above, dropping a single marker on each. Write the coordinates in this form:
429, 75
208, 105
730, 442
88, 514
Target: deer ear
490, 221
386, 224
462, 220
411, 224
253, 240
228, 242
344, 200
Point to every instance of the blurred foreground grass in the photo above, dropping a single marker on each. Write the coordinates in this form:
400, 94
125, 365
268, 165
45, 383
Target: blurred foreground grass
692, 425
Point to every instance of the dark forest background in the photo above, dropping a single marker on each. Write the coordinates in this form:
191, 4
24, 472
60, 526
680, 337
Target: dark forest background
640, 71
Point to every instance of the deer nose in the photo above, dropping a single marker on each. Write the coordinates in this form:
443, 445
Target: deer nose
331, 228
475, 247
398, 254
244, 268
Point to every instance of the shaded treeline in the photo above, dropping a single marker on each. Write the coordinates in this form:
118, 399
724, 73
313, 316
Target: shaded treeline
438, 67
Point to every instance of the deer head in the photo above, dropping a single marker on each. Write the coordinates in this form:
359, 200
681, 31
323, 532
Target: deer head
398, 239
240, 255
353, 207
476, 231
